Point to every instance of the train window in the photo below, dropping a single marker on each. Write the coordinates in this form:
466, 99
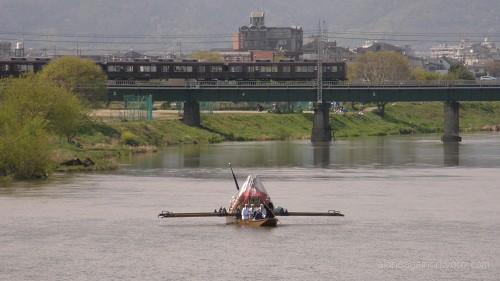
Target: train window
304, 68
113, 68
129, 68
269, 68
24, 67
183, 68
147, 68
286, 68
165, 68
251, 68
216, 68
4, 67
330, 68
235, 68
201, 68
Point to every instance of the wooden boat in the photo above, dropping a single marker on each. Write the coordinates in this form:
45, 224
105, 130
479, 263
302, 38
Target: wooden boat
251, 193
269, 222
233, 218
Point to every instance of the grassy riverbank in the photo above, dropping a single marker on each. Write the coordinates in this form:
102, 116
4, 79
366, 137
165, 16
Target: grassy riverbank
108, 143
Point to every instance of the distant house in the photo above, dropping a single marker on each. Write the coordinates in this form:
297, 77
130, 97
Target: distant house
332, 51
129, 56
235, 56
374, 46
440, 65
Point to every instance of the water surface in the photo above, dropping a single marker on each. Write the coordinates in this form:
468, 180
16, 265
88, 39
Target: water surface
415, 210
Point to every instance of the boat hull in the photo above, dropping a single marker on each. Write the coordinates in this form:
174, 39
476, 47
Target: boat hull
269, 222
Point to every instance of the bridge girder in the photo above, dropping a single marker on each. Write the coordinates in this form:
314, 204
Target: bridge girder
309, 94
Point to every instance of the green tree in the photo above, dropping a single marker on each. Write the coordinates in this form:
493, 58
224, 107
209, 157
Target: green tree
459, 72
79, 76
25, 148
32, 111
32, 96
207, 56
380, 67
420, 74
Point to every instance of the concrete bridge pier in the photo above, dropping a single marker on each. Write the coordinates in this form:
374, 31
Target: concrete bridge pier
322, 131
191, 116
451, 122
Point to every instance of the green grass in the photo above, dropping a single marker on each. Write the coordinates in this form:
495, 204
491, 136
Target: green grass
252, 127
164, 133
412, 118
109, 144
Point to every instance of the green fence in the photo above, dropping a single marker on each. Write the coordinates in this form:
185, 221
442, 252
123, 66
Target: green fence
138, 108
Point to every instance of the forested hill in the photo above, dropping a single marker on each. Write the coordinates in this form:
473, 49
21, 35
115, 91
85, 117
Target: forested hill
224, 16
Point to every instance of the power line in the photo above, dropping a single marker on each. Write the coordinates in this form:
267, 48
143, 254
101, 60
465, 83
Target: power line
229, 35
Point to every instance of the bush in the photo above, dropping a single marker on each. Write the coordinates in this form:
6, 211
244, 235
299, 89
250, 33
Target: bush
25, 149
31, 111
130, 138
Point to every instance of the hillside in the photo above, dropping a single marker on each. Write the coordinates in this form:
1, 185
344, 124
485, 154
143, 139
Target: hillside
224, 16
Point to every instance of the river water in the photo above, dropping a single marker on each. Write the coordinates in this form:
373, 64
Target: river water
415, 210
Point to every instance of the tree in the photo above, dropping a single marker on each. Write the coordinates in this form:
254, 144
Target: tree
32, 96
79, 76
420, 74
207, 56
380, 67
32, 110
24, 148
494, 68
459, 72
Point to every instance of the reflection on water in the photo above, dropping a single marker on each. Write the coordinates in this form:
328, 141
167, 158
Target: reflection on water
321, 154
451, 154
477, 150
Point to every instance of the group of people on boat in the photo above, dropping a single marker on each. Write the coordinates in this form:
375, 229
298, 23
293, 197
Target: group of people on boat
253, 213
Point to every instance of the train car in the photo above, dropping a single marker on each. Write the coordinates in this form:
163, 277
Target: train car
222, 71
17, 66
145, 70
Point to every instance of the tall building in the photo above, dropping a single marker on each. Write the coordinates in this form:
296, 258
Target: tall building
258, 36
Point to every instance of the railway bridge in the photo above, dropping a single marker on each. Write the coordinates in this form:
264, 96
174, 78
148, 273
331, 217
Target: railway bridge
451, 93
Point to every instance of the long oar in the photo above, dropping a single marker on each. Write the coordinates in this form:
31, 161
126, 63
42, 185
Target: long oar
234, 177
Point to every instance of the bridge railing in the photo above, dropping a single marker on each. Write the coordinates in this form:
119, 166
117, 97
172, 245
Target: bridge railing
192, 84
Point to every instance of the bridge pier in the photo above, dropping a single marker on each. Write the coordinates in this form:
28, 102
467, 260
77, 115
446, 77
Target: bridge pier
191, 116
451, 122
322, 131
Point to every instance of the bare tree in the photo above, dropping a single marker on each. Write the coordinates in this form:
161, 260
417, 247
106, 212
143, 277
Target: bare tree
380, 67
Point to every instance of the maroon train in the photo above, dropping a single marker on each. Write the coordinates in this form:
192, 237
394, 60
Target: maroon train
190, 69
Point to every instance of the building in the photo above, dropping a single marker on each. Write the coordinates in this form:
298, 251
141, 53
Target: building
332, 52
455, 52
258, 36
375, 46
235, 56
5, 49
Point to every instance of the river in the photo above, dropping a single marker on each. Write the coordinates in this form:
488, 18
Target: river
415, 210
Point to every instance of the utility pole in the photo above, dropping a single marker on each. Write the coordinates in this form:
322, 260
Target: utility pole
179, 46
319, 82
